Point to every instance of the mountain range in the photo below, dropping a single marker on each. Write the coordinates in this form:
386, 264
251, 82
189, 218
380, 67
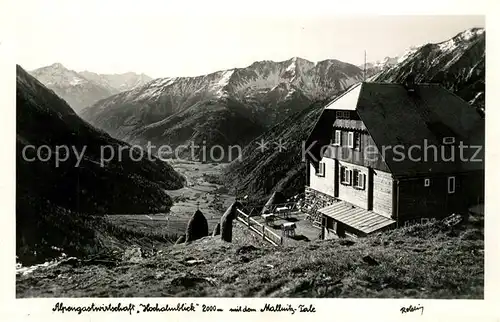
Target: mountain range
223, 108
457, 64
54, 200
372, 68
85, 88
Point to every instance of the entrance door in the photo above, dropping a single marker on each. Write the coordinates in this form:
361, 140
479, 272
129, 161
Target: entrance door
340, 230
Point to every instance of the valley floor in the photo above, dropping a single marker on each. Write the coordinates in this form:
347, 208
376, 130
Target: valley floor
198, 193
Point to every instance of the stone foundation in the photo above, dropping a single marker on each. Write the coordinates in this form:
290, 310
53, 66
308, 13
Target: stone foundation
316, 199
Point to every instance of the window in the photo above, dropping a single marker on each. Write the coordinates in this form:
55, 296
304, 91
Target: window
357, 141
358, 180
345, 176
350, 139
320, 172
427, 182
343, 114
337, 138
451, 184
448, 140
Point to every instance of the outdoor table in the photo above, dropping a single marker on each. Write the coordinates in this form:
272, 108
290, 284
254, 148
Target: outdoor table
285, 211
288, 229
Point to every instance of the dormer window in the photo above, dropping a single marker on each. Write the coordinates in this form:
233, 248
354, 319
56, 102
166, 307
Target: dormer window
343, 114
448, 140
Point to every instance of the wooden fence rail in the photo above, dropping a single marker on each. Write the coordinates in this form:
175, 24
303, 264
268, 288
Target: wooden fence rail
260, 229
255, 209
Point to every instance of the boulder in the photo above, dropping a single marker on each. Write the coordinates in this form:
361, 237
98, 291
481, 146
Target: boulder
132, 255
370, 260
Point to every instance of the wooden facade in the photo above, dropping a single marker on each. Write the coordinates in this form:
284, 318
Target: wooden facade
429, 197
405, 195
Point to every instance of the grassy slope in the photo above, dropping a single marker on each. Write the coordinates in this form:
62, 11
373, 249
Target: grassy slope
425, 261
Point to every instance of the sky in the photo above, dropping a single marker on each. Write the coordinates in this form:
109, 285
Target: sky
149, 38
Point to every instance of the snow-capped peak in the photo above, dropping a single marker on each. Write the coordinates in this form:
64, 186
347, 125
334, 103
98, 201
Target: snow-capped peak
219, 87
292, 66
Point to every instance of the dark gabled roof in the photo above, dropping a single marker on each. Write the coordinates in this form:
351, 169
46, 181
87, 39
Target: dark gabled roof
396, 117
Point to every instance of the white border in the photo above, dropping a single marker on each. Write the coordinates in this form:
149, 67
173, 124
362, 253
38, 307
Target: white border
328, 309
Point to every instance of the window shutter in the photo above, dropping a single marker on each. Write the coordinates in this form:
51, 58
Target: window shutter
362, 180
350, 139
357, 140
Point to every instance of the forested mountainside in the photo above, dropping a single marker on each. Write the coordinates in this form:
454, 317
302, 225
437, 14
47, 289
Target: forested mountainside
53, 200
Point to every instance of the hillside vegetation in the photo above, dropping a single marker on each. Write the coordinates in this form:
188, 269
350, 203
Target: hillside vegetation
260, 172
388, 265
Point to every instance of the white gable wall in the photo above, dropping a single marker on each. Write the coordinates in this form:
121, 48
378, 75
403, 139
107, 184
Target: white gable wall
324, 184
348, 101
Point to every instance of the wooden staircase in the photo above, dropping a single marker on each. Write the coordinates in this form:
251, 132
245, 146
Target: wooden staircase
316, 218
314, 215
